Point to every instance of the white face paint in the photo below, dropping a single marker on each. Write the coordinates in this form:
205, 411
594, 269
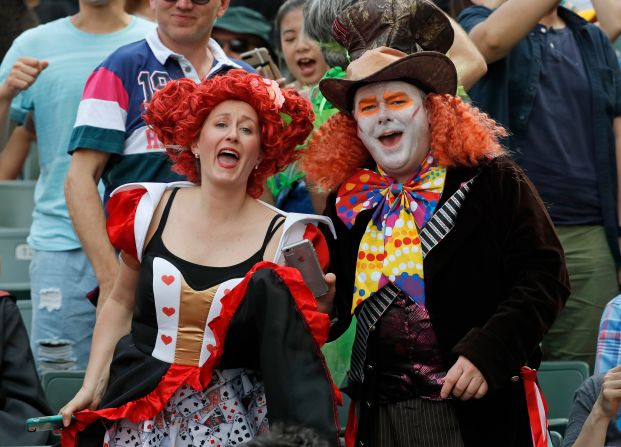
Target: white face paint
392, 124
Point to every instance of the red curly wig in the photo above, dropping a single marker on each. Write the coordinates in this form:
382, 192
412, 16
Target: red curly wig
178, 111
461, 135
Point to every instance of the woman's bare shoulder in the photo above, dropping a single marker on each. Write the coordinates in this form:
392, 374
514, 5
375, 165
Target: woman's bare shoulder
157, 215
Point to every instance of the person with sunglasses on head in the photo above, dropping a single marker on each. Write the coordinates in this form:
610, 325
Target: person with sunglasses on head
241, 29
110, 140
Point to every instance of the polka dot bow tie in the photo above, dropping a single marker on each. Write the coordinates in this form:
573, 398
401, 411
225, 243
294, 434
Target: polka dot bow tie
390, 247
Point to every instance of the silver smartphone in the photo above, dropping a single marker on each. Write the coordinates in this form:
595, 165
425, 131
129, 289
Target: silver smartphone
302, 256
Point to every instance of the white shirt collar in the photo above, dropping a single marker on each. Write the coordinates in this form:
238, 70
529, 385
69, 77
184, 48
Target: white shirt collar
162, 53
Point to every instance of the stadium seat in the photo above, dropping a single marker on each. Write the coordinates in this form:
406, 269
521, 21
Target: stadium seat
556, 439
559, 381
61, 386
17, 198
15, 256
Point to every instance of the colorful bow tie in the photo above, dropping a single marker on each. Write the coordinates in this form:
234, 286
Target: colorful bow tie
390, 247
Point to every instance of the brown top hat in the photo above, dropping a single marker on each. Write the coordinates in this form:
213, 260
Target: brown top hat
428, 70
392, 40
407, 25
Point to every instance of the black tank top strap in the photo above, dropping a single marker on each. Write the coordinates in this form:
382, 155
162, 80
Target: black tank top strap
165, 213
275, 224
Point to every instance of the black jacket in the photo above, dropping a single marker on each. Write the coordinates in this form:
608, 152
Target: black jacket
493, 288
21, 395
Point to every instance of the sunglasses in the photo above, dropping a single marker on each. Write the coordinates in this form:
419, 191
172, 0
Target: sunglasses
196, 2
236, 45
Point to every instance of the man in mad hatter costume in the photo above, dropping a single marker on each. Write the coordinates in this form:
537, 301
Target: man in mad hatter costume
445, 253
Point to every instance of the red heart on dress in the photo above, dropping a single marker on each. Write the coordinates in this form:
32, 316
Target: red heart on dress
226, 291
149, 427
168, 310
168, 279
166, 339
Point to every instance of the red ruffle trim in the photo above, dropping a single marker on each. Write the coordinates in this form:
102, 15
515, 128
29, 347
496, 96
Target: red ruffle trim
198, 378
121, 216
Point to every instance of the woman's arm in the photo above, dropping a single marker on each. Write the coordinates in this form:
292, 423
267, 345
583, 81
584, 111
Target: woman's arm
113, 322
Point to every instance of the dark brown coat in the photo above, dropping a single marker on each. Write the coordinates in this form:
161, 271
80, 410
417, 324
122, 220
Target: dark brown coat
493, 288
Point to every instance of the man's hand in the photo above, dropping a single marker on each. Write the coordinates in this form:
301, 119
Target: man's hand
23, 74
464, 381
610, 394
324, 302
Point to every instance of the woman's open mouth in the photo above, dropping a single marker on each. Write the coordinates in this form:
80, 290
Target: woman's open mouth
307, 66
228, 158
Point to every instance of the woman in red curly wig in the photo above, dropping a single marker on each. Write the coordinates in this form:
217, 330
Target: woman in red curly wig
445, 253
207, 336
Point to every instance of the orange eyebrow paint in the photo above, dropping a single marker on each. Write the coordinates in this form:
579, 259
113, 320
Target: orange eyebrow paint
397, 100
365, 103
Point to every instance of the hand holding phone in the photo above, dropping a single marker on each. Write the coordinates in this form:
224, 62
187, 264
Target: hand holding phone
46, 423
325, 303
260, 59
302, 256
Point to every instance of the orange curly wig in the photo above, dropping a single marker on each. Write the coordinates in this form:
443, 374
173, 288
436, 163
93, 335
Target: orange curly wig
178, 111
461, 135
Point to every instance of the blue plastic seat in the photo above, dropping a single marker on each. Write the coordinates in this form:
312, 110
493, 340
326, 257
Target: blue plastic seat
17, 199
61, 386
556, 439
559, 381
15, 256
